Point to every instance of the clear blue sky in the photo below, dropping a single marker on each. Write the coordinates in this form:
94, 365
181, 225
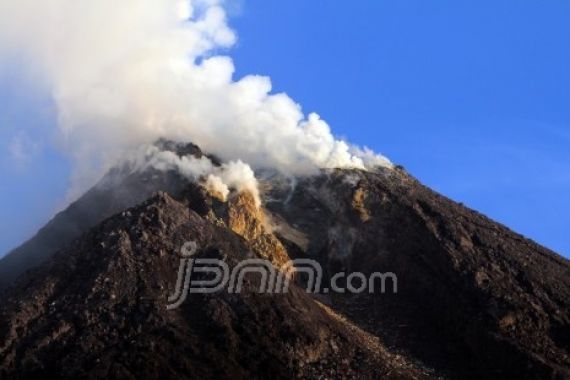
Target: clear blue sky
472, 97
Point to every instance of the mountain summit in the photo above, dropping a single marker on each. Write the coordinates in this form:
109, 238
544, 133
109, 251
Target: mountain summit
88, 296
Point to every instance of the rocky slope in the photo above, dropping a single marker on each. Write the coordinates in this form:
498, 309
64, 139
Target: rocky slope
98, 310
474, 299
120, 189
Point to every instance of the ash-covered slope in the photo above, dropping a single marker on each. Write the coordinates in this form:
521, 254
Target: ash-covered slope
120, 189
475, 300
98, 310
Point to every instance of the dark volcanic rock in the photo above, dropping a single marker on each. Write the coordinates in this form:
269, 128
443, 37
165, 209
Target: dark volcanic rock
474, 299
120, 189
98, 310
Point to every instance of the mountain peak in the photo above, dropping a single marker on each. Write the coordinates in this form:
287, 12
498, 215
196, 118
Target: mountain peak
471, 298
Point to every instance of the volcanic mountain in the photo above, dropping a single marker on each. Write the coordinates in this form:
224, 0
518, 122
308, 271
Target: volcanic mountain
87, 296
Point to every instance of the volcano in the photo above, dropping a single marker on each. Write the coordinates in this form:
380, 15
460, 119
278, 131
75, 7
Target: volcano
88, 296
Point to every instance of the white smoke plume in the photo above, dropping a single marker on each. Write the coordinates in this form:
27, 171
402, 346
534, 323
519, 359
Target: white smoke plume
125, 73
233, 175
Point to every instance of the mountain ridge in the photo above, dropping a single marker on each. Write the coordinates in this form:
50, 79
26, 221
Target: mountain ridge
474, 299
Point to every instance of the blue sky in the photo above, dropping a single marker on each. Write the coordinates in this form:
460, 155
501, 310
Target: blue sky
471, 97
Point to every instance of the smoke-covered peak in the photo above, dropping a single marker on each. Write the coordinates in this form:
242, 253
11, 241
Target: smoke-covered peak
122, 74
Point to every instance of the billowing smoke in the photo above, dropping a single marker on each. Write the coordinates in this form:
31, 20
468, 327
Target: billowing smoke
125, 73
233, 175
